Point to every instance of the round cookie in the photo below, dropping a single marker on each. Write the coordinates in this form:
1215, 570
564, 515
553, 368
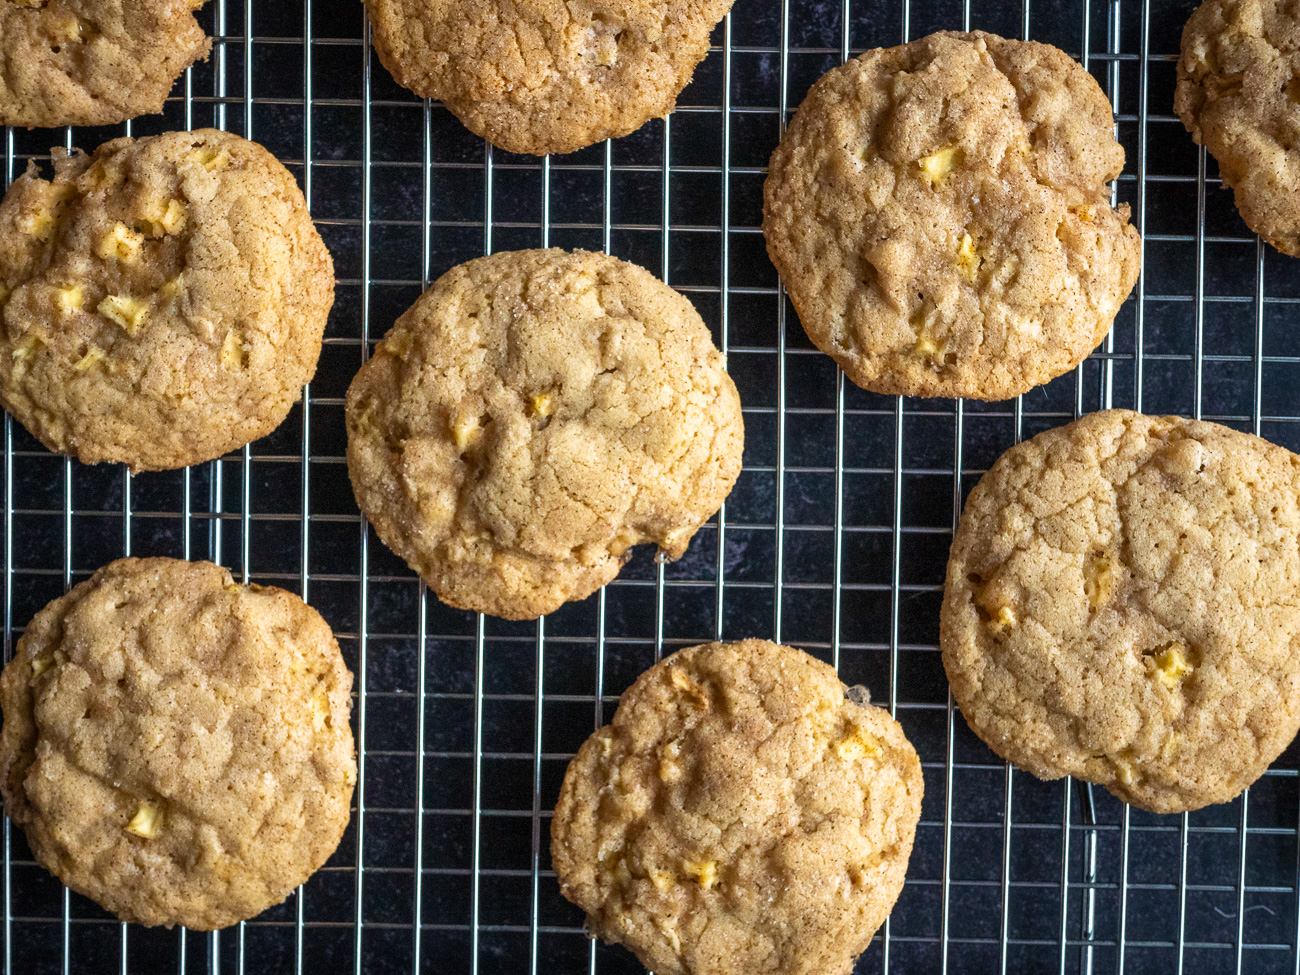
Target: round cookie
739, 815
1123, 605
93, 62
163, 300
533, 416
540, 76
1238, 87
175, 746
939, 215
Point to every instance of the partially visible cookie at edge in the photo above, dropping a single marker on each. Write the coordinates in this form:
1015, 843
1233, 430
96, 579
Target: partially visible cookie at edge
163, 300
533, 416
940, 216
176, 746
93, 62
739, 814
1122, 605
541, 76
1239, 96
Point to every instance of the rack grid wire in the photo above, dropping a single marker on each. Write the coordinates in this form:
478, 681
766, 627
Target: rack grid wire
834, 539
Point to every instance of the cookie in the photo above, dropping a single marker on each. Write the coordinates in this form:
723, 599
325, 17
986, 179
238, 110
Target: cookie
739, 815
163, 300
539, 76
939, 215
175, 746
93, 62
532, 417
1238, 87
1122, 605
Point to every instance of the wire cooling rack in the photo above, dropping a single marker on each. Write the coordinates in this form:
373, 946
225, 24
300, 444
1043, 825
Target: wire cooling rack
834, 539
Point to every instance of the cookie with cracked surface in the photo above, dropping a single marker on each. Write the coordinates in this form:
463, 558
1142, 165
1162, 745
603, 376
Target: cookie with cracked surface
93, 62
739, 814
540, 76
939, 215
1239, 96
1121, 605
533, 416
175, 746
163, 300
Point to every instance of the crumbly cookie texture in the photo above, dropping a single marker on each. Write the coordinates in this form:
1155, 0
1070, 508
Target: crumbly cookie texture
163, 300
739, 815
539, 76
93, 62
1123, 604
532, 417
939, 215
175, 746
1239, 96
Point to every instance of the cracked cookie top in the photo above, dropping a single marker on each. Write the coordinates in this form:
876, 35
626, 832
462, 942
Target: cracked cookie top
1239, 96
163, 300
175, 746
1123, 605
530, 418
939, 215
539, 76
93, 62
739, 814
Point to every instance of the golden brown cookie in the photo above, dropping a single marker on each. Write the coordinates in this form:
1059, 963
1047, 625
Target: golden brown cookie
532, 417
541, 76
175, 746
939, 215
1123, 605
93, 62
1239, 95
163, 300
739, 815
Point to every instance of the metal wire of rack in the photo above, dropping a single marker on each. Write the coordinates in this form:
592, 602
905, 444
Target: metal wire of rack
834, 539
